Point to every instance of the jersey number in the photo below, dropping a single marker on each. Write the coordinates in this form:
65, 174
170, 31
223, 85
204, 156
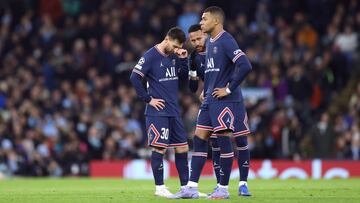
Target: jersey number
165, 133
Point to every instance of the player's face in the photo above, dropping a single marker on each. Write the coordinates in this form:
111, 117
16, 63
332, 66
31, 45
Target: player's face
197, 40
171, 45
207, 22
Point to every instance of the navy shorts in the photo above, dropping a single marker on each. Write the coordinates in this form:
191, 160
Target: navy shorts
165, 131
220, 116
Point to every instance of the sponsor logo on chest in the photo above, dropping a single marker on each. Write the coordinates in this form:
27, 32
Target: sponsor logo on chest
170, 72
210, 66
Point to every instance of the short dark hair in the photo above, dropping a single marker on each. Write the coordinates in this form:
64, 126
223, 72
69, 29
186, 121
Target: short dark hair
217, 11
194, 28
176, 33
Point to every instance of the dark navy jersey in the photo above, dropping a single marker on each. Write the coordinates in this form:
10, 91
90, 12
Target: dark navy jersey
200, 64
221, 55
162, 74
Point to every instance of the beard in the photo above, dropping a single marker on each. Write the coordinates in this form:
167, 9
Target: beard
168, 51
200, 48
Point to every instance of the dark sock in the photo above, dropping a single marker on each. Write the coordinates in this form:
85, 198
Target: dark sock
199, 157
182, 167
216, 158
157, 167
243, 157
226, 159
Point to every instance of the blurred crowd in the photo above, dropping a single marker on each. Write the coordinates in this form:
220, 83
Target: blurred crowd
65, 97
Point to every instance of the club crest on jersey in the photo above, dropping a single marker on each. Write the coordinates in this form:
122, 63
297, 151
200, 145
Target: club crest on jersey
173, 62
215, 49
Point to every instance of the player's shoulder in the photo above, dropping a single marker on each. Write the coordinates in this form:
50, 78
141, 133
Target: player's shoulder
227, 40
150, 53
226, 36
146, 59
148, 56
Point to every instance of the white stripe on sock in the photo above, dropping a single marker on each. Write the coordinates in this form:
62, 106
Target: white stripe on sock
223, 186
192, 184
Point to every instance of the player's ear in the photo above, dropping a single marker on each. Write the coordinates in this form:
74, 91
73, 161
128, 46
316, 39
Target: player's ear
216, 20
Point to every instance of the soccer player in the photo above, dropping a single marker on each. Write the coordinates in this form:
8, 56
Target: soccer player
162, 66
224, 113
197, 71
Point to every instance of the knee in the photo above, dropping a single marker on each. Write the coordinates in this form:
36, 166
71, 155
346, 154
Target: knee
241, 141
225, 144
224, 133
182, 149
159, 150
202, 134
214, 143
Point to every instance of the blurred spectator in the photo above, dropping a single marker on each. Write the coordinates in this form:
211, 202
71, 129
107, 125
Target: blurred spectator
323, 137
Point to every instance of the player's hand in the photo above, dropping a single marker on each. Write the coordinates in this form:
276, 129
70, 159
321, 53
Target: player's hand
201, 97
219, 93
181, 53
157, 103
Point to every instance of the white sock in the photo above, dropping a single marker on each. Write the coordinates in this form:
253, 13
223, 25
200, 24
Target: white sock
182, 187
242, 183
159, 187
223, 186
192, 184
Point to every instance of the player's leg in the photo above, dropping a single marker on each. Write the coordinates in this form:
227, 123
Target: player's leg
178, 139
243, 156
199, 156
202, 133
157, 167
181, 162
243, 163
224, 126
198, 160
215, 157
226, 160
158, 140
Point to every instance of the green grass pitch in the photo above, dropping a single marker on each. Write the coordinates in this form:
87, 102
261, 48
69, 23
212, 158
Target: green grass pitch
142, 191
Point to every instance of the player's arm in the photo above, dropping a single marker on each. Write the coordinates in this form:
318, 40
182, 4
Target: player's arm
182, 63
193, 84
136, 77
136, 80
242, 69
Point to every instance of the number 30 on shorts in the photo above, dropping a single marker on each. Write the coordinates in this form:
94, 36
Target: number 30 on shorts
164, 133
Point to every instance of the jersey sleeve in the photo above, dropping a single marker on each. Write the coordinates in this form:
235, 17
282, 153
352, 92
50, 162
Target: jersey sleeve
182, 65
143, 66
232, 50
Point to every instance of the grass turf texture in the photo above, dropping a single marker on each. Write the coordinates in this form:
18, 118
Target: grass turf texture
142, 191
